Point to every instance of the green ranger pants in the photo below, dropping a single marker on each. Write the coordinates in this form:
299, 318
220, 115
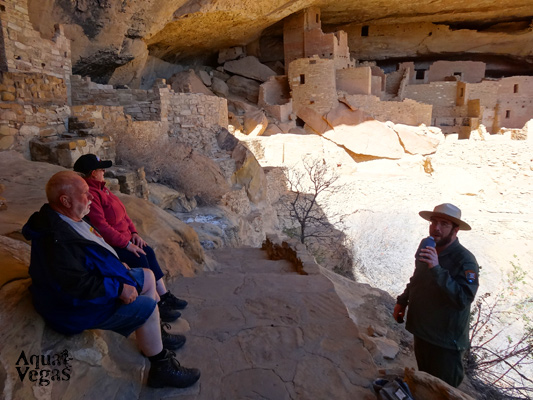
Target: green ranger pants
443, 363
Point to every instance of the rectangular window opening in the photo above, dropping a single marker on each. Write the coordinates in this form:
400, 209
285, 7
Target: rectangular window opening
507, 113
515, 88
420, 73
364, 30
302, 79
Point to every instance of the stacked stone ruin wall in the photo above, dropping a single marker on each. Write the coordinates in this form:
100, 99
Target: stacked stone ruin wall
354, 80
439, 94
185, 111
24, 50
33, 104
469, 71
142, 105
407, 112
312, 83
188, 112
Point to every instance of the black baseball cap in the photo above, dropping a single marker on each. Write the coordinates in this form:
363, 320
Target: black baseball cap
90, 162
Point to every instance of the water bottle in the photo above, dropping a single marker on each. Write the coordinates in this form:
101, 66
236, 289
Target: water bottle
426, 242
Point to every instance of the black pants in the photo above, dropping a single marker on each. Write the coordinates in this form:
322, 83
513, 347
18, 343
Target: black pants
443, 363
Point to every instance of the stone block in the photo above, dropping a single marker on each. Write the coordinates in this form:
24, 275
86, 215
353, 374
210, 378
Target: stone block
6, 142
6, 96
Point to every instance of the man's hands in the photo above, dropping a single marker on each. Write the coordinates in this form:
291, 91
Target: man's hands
399, 313
129, 294
429, 256
138, 241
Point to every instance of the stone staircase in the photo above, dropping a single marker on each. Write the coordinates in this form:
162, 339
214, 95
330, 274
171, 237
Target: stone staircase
258, 330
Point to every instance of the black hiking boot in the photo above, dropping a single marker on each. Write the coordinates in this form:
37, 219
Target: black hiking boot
168, 299
167, 313
169, 372
171, 341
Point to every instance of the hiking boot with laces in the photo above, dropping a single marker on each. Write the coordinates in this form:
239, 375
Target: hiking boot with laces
172, 301
169, 372
168, 313
171, 341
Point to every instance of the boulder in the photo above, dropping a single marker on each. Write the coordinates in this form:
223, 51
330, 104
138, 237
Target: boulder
370, 138
424, 386
415, 141
205, 77
244, 87
231, 53
248, 173
249, 67
314, 120
255, 123
344, 115
188, 82
170, 199
272, 130
219, 87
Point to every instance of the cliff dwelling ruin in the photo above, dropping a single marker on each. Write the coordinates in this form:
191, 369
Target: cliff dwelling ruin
47, 109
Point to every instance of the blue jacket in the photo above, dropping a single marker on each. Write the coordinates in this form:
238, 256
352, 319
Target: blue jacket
76, 283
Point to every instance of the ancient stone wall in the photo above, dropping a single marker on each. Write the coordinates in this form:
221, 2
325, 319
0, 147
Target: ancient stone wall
192, 115
507, 102
407, 112
23, 49
275, 98
414, 40
443, 94
142, 105
185, 111
33, 104
354, 80
466, 71
303, 37
312, 83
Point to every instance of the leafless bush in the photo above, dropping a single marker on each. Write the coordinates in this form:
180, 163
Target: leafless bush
499, 363
306, 184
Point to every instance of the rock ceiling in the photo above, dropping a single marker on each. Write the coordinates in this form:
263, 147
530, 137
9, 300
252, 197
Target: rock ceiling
107, 34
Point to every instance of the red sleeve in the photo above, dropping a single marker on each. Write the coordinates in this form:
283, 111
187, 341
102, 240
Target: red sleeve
98, 220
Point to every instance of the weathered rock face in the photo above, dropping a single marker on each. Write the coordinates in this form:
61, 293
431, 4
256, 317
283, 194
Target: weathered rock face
110, 34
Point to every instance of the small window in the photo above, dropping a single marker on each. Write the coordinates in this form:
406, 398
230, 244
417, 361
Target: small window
364, 30
2, 8
462, 93
302, 79
311, 102
312, 62
507, 113
420, 73
515, 88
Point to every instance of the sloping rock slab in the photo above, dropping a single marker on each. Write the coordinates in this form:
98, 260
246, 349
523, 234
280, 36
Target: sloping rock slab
314, 120
415, 141
249, 67
370, 138
343, 115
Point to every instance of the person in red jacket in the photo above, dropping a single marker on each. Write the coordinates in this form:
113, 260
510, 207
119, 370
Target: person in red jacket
109, 216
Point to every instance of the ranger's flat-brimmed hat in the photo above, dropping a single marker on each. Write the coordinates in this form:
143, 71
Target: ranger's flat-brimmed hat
447, 211
90, 162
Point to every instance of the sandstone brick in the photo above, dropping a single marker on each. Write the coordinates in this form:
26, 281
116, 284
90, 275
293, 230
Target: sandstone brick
6, 96
6, 142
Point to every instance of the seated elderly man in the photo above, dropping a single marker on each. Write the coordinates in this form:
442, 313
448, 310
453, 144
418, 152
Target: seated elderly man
79, 283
